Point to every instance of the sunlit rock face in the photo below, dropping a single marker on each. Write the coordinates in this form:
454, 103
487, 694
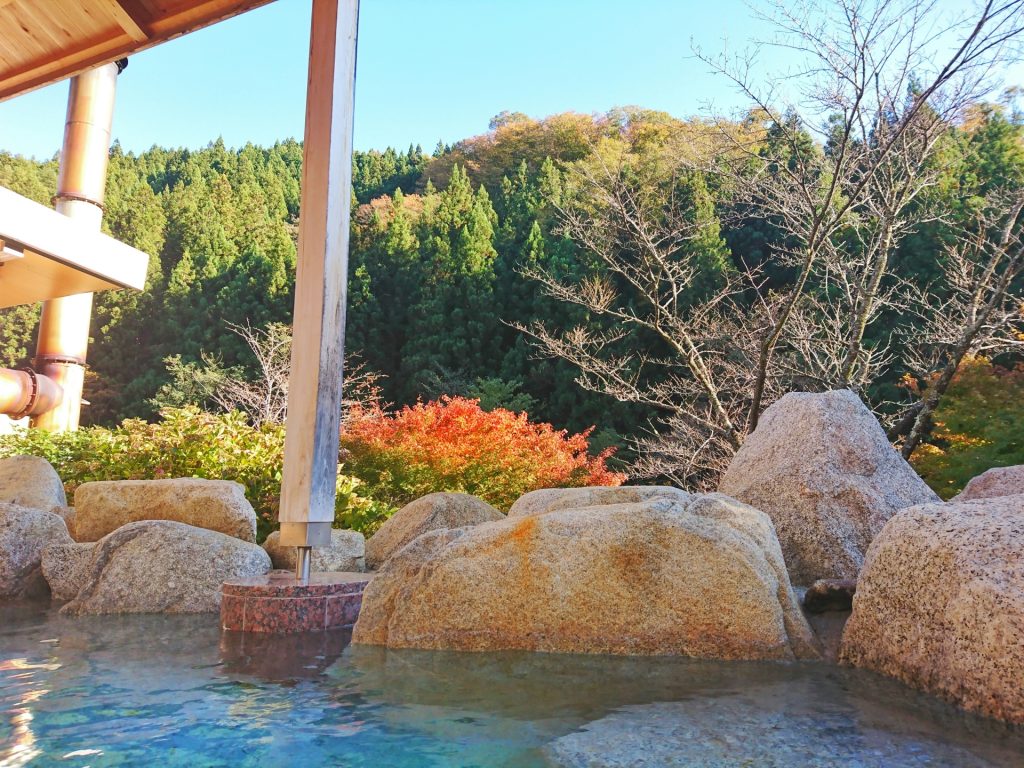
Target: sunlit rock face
24, 533
999, 481
435, 511
217, 505
553, 499
823, 470
30, 481
940, 604
676, 574
345, 553
159, 566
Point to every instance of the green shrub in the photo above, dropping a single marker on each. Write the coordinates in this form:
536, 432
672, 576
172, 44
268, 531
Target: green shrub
389, 459
977, 427
185, 442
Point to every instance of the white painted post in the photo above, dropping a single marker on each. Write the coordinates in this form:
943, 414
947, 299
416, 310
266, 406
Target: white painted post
314, 394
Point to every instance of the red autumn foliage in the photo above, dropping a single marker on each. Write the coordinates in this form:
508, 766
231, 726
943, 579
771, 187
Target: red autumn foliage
452, 444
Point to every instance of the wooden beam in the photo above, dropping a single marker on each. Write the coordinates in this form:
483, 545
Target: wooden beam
318, 334
43, 231
128, 17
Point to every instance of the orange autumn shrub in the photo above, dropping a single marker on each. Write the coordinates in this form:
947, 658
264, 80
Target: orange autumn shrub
452, 444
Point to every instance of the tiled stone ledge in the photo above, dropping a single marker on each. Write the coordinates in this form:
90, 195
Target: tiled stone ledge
278, 603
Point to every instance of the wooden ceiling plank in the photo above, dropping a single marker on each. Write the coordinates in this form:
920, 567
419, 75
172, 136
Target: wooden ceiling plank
39, 73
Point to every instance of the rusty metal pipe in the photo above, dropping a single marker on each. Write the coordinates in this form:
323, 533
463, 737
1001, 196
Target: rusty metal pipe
64, 326
26, 393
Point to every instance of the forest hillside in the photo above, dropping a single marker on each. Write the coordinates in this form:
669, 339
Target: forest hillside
445, 250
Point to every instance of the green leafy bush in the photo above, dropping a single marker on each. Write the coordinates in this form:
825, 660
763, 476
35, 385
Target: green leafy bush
977, 427
185, 442
389, 459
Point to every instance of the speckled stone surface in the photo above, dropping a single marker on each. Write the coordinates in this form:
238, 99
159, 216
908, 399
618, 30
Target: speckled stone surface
553, 499
940, 604
278, 603
681, 574
346, 553
999, 481
216, 505
821, 467
30, 481
160, 566
24, 533
65, 567
435, 511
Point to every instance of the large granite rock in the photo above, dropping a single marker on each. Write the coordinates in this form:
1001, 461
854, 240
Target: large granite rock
24, 533
65, 567
677, 574
217, 505
998, 481
940, 604
30, 481
432, 512
821, 467
552, 499
160, 566
346, 553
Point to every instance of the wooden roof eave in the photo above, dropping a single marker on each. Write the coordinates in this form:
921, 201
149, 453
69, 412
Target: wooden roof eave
43, 43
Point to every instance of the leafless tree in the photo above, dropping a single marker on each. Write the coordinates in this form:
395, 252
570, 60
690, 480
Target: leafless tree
687, 360
884, 80
264, 398
978, 310
861, 60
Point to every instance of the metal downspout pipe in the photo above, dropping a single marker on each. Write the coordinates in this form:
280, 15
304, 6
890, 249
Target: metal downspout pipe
64, 325
26, 393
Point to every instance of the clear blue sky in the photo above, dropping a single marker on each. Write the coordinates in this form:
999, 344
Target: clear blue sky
428, 70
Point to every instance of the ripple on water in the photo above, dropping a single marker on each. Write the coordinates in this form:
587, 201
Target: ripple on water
174, 691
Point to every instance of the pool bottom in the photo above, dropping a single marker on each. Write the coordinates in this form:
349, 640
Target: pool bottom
174, 690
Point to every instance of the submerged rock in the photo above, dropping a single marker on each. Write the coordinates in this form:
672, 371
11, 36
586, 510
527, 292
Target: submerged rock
346, 553
552, 499
940, 604
24, 533
217, 505
822, 468
30, 481
998, 481
65, 567
159, 566
686, 575
432, 512
738, 730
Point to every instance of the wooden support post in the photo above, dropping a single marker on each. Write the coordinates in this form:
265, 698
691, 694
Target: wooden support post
318, 332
